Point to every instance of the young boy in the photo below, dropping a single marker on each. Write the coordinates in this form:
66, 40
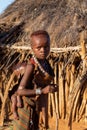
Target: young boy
35, 82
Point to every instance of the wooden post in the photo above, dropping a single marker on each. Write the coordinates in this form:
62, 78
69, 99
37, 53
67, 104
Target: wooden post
82, 107
67, 84
72, 77
56, 96
1, 96
52, 97
56, 93
83, 55
61, 91
83, 50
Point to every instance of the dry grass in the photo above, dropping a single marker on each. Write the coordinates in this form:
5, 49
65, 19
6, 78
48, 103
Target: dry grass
64, 20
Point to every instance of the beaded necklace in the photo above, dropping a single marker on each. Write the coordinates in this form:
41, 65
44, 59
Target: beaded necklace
39, 65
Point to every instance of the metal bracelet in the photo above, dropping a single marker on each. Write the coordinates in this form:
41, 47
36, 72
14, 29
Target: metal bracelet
20, 87
38, 91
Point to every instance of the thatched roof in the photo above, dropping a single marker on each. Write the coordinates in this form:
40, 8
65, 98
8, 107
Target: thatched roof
65, 20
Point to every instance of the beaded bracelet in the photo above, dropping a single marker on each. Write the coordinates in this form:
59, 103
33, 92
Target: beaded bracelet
38, 91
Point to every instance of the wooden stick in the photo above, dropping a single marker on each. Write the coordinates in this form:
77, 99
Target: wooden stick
75, 107
1, 96
2, 116
61, 91
83, 54
67, 84
53, 104
52, 49
82, 107
56, 97
49, 105
56, 93
86, 114
84, 65
72, 77
52, 97
22, 57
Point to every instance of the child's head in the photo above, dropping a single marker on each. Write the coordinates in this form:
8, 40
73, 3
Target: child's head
40, 44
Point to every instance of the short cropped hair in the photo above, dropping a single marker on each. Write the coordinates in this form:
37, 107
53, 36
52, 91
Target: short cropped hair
40, 32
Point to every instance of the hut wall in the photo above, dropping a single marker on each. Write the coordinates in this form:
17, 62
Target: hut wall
67, 68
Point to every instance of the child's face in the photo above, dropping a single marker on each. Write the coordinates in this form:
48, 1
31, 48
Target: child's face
40, 46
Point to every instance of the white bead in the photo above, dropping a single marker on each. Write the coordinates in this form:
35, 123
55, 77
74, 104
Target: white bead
40, 67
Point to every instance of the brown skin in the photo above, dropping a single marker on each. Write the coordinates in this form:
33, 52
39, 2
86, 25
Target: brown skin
41, 48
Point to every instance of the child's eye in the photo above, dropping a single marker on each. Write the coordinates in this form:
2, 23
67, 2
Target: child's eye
47, 47
39, 47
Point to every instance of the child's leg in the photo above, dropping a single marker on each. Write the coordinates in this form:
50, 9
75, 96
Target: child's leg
19, 101
43, 109
45, 117
24, 117
14, 106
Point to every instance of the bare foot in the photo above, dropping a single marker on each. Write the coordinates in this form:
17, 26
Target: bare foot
14, 107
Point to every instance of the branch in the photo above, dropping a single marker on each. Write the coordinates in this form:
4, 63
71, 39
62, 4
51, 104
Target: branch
64, 49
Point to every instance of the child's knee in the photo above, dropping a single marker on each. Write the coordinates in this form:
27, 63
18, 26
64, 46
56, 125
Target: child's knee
13, 98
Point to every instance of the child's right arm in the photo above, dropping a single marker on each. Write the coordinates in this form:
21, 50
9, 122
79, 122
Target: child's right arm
27, 75
26, 79
38, 91
22, 91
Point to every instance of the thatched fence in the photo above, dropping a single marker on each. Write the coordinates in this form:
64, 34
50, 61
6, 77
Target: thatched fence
70, 68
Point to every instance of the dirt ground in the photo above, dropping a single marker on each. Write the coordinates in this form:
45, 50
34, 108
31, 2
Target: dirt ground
62, 125
75, 126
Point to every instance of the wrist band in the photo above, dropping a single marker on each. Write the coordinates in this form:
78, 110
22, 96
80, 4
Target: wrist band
38, 91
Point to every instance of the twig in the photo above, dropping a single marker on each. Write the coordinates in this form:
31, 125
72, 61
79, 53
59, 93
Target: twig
64, 49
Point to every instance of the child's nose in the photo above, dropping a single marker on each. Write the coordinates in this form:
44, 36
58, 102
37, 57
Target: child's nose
43, 49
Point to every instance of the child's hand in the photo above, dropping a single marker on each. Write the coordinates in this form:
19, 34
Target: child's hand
55, 86
49, 89
14, 106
